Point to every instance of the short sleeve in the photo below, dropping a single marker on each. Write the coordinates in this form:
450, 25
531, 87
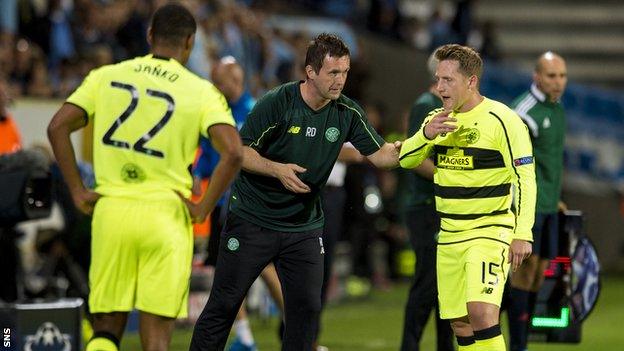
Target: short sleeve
215, 110
362, 135
85, 96
261, 124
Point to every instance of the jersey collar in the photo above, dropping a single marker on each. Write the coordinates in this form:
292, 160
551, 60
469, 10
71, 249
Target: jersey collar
541, 97
307, 107
158, 57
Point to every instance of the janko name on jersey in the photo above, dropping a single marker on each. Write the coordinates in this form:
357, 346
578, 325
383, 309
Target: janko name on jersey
455, 162
157, 71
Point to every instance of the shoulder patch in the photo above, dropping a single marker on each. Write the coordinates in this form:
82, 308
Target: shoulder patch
523, 160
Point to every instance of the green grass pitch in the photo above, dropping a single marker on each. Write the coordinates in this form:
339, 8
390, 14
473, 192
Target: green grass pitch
375, 323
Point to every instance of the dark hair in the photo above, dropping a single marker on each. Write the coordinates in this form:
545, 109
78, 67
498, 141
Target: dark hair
323, 45
470, 63
171, 24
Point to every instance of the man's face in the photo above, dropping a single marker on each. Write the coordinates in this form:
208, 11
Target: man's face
552, 77
332, 76
452, 86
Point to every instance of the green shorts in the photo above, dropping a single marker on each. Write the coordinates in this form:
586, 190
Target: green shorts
470, 270
141, 256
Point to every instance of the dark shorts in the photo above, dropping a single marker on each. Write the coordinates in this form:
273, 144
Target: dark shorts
546, 235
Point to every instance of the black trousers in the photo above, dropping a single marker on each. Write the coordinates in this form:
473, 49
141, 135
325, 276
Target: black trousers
423, 224
244, 250
334, 199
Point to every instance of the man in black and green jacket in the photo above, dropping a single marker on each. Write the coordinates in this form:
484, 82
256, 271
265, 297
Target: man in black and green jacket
292, 139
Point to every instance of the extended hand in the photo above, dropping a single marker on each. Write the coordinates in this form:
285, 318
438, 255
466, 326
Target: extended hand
519, 250
437, 125
287, 174
85, 199
197, 215
397, 147
197, 187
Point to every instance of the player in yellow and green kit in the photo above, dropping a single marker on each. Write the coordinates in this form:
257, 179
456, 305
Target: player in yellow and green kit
148, 114
484, 187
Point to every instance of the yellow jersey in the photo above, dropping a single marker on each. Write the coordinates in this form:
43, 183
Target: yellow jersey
484, 177
148, 114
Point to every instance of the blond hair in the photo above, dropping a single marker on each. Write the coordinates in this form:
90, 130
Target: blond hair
470, 63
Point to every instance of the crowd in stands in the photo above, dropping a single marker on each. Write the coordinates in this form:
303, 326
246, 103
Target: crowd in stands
47, 47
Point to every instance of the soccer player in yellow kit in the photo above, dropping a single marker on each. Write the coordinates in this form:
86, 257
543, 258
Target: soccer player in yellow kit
148, 114
485, 195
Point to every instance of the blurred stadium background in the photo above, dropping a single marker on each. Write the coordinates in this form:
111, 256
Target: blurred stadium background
46, 48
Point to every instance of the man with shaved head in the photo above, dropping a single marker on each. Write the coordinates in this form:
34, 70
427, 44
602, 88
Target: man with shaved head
228, 76
541, 110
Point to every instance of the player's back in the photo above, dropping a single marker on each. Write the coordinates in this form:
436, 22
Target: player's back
148, 114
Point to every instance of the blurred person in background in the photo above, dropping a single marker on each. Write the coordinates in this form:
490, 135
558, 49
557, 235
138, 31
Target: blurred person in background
144, 141
7, 45
10, 137
481, 150
541, 110
39, 83
228, 76
370, 214
10, 141
423, 223
24, 56
293, 137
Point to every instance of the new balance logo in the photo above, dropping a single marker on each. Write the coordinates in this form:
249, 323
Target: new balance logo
487, 290
294, 130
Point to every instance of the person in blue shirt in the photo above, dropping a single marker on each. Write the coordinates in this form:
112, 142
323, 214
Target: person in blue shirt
228, 76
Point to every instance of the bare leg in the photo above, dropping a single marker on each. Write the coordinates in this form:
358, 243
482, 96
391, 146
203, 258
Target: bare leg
155, 331
242, 327
269, 275
107, 326
484, 319
461, 326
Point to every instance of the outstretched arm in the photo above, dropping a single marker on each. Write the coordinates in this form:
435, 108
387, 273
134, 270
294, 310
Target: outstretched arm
387, 156
426, 169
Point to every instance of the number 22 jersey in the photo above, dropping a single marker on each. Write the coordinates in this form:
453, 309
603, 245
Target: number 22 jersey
148, 114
